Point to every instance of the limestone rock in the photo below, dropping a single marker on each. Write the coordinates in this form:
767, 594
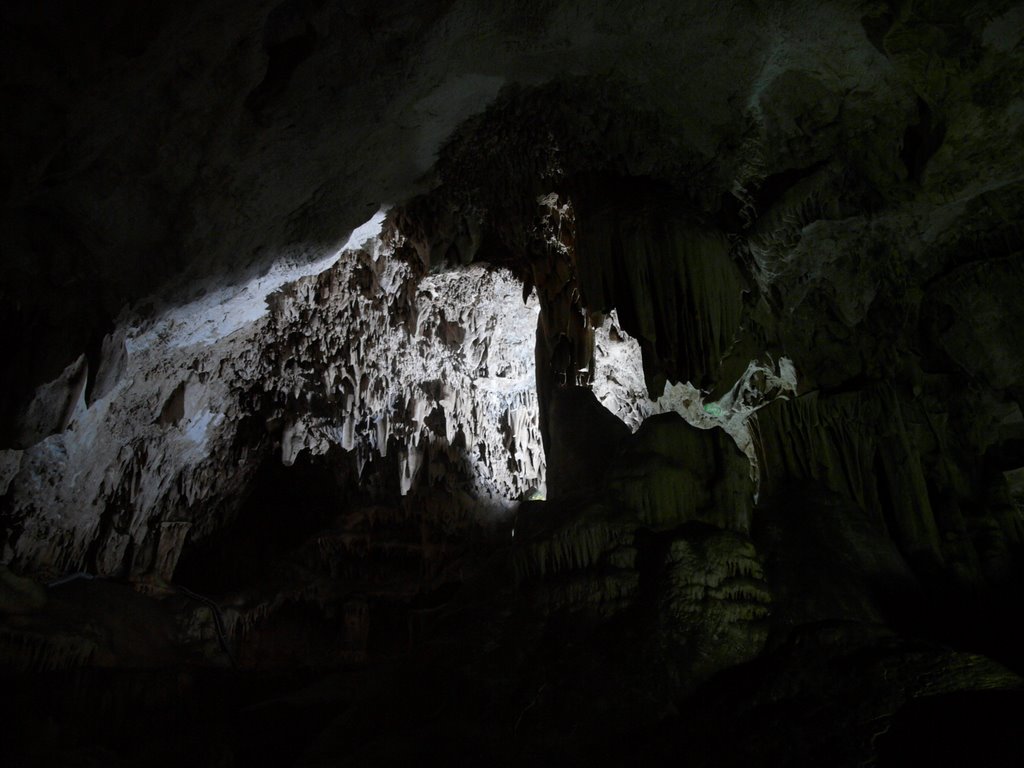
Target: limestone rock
670, 473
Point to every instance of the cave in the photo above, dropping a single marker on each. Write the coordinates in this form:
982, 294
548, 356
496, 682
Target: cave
541, 383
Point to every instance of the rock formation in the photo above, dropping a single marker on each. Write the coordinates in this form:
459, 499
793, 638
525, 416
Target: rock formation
525, 384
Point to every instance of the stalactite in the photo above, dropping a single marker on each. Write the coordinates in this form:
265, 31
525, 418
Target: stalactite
578, 545
45, 652
671, 279
332, 364
837, 442
482, 364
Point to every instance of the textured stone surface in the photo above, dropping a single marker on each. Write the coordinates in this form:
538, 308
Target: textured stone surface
362, 357
735, 283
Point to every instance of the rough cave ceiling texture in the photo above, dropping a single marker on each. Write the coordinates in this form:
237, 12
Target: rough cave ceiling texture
526, 383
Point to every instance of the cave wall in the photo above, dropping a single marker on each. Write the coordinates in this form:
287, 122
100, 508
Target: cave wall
429, 380
668, 408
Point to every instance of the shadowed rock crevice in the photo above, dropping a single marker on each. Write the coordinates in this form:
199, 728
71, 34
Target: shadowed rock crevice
288, 40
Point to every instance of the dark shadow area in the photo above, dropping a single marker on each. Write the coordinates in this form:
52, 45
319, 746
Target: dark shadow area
976, 728
285, 506
921, 141
828, 560
289, 40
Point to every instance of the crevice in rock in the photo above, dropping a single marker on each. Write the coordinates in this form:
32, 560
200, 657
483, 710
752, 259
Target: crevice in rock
288, 41
921, 141
174, 407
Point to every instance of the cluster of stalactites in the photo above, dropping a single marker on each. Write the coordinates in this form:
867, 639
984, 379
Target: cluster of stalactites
653, 294
670, 277
439, 370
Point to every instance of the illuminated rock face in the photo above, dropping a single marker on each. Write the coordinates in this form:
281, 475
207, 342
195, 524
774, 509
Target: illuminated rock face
440, 370
364, 356
668, 410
